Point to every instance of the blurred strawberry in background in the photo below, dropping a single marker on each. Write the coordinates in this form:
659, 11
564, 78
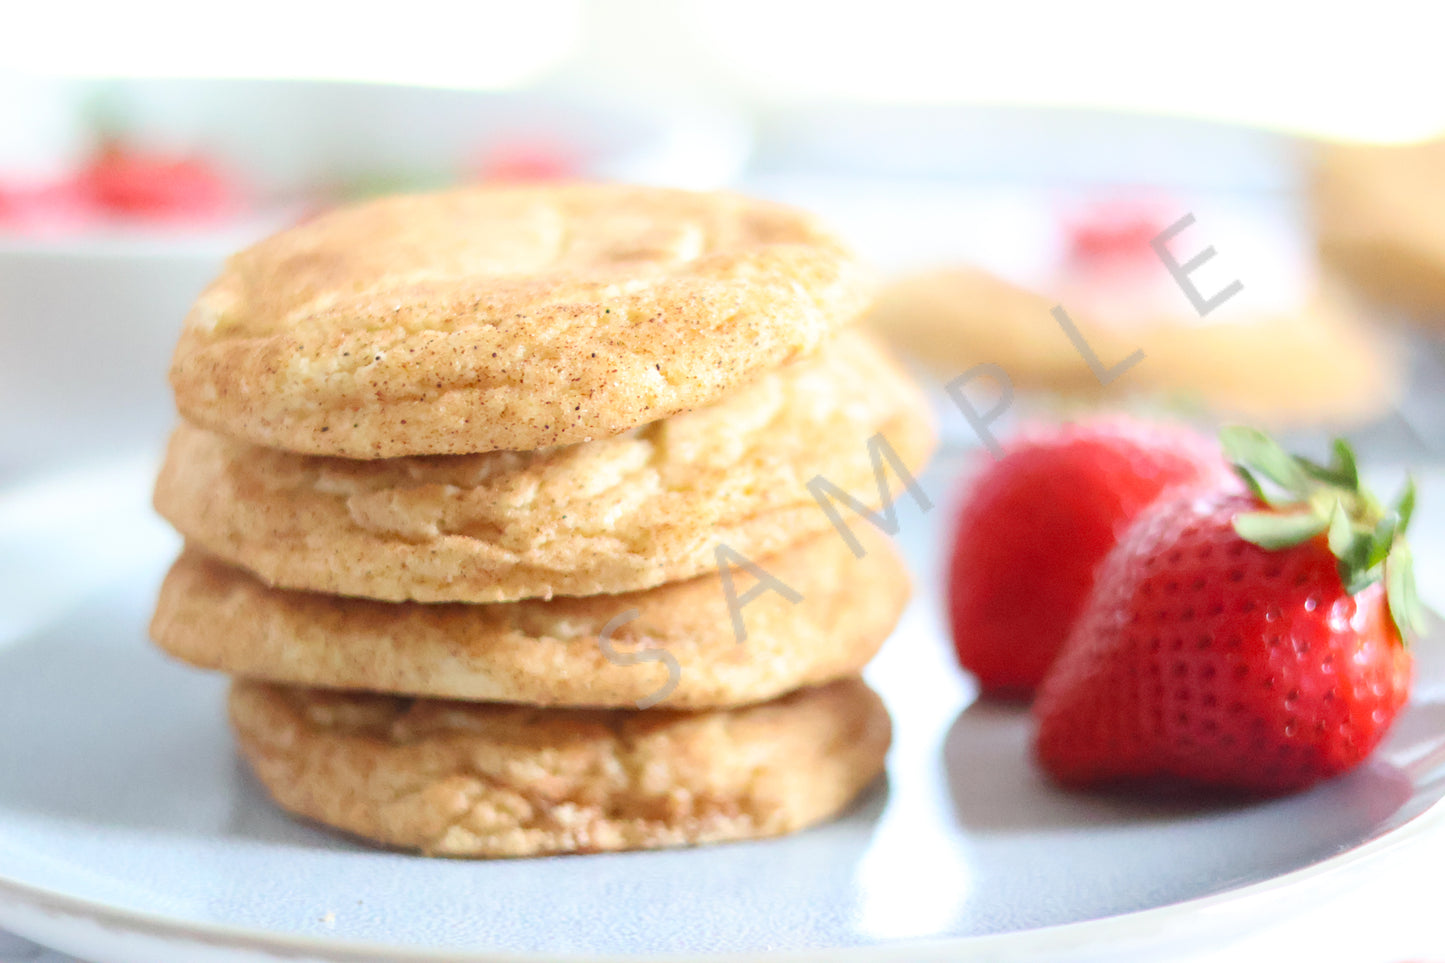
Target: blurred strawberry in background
151, 185
1114, 230
42, 208
524, 159
119, 182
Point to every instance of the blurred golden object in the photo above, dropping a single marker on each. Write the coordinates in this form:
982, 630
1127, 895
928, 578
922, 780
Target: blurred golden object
1319, 364
1380, 220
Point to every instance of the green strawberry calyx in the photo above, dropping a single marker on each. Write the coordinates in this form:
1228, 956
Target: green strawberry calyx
1305, 499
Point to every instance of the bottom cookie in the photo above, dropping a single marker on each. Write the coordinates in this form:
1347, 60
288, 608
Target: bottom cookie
490, 780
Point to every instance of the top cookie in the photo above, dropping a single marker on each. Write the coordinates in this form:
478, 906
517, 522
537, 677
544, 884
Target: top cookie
505, 318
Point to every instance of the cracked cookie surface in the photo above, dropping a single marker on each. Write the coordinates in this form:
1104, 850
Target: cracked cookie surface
614, 515
506, 318
466, 779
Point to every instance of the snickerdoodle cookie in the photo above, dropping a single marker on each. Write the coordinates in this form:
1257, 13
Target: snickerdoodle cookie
506, 318
613, 515
1380, 219
467, 779
552, 653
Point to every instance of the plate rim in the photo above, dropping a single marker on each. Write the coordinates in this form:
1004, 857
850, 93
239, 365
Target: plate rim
1015, 943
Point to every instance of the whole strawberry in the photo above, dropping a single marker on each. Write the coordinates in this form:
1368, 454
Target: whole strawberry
1034, 527
1249, 641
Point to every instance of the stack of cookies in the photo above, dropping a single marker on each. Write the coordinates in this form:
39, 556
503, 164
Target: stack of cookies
497, 510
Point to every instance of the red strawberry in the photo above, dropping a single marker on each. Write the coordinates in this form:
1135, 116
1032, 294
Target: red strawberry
1248, 640
1035, 526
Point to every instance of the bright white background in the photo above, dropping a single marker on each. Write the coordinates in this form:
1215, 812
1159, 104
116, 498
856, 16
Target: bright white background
1346, 70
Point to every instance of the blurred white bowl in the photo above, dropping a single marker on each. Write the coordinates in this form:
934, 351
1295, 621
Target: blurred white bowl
87, 321
284, 135
86, 330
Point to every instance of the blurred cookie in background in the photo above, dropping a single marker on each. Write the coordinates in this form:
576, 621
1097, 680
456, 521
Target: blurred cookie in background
1250, 331
1379, 215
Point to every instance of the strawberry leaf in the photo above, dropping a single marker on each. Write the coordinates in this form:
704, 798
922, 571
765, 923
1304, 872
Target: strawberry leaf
1352, 546
1356, 580
1405, 505
1342, 473
1252, 483
1305, 498
1382, 540
1400, 591
1274, 530
1345, 465
1342, 533
1329, 476
1263, 455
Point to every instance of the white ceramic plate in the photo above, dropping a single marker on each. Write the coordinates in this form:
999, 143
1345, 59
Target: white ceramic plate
130, 834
